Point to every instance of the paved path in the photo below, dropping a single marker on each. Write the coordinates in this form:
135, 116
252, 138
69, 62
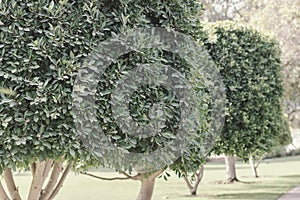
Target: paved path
294, 194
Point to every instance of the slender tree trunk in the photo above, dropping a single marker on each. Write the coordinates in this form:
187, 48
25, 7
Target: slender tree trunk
47, 169
230, 169
199, 176
11, 186
60, 183
52, 181
37, 182
3, 194
253, 166
147, 185
40, 171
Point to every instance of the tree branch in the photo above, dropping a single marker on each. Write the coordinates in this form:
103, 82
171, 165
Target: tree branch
136, 177
61, 181
3, 194
199, 177
238, 11
292, 112
187, 181
11, 186
258, 163
47, 169
200, 173
125, 174
57, 169
128, 177
155, 174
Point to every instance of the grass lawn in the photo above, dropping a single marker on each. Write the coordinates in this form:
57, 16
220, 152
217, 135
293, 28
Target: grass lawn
277, 177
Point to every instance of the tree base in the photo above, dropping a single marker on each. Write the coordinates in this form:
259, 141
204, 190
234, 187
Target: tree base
231, 181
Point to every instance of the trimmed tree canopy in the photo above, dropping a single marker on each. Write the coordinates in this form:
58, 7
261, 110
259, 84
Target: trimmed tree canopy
42, 45
249, 63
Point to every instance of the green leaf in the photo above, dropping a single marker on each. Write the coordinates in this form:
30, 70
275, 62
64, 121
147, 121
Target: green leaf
72, 152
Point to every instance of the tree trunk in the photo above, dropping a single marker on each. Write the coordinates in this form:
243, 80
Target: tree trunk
3, 194
60, 183
147, 185
57, 169
253, 166
230, 169
37, 182
146, 190
10, 184
199, 176
40, 171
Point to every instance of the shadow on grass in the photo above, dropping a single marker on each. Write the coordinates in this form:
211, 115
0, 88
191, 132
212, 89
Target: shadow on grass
263, 196
240, 196
291, 176
278, 186
223, 182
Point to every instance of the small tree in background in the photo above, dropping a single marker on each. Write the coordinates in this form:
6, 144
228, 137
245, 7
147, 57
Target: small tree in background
283, 139
232, 44
191, 169
190, 166
250, 66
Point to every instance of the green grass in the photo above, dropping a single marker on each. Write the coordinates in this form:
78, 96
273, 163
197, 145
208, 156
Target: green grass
277, 177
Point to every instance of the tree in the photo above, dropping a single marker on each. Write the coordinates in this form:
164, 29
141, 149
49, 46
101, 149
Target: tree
38, 64
283, 139
195, 180
279, 18
190, 166
161, 48
145, 143
250, 67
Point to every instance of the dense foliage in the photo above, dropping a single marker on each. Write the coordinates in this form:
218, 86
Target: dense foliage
249, 63
42, 44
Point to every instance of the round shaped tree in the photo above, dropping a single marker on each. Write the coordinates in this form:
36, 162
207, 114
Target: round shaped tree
249, 63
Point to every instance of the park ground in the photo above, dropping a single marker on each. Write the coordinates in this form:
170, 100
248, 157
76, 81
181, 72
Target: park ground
277, 177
